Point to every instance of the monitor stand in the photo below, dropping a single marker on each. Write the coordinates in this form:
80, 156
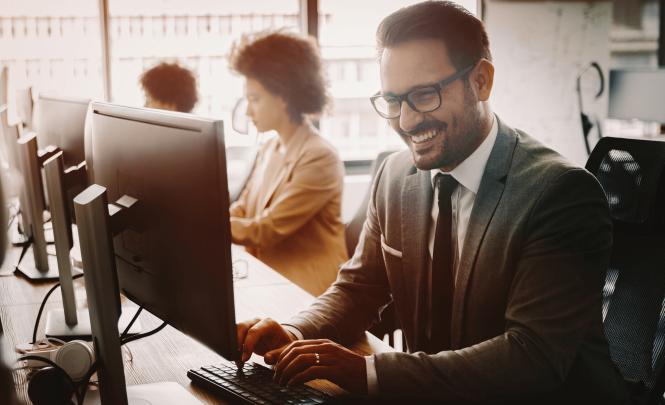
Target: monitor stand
57, 327
16, 235
101, 284
162, 393
29, 269
35, 264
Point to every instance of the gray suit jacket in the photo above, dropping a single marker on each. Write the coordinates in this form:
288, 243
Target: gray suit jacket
526, 324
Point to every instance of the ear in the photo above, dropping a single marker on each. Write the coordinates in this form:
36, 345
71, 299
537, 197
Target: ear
482, 78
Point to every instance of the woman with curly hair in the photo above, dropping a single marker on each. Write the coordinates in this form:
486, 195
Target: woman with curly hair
289, 214
169, 86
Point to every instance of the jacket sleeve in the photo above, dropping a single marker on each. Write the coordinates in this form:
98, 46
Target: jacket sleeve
316, 179
352, 303
553, 302
239, 207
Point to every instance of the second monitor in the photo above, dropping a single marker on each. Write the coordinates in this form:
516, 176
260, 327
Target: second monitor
169, 248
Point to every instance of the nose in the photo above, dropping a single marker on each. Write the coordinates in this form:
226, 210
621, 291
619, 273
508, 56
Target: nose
409, 119
248, 110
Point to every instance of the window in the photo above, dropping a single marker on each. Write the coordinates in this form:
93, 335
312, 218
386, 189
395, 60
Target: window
198, 34
633, 44
52, 46
347, 30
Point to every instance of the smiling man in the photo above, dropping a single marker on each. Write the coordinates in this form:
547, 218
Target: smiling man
492, 247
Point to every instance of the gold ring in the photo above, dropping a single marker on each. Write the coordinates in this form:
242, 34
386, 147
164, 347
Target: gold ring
318, 358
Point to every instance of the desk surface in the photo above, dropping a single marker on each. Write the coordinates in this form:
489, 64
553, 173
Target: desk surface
167, 355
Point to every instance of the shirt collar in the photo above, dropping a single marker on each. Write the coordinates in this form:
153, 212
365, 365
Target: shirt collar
469, 173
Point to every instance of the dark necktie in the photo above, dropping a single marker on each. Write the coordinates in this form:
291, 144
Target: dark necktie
441, 281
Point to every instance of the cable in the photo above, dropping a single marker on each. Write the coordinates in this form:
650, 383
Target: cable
86, 379
43, 304
129, 325
142, 335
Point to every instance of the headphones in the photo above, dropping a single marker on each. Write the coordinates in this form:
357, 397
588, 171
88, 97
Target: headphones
69, 366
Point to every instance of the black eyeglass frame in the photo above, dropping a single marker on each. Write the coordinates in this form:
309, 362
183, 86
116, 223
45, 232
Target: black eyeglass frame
436, 86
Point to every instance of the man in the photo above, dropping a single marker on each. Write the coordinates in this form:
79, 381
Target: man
169, 86
491, 246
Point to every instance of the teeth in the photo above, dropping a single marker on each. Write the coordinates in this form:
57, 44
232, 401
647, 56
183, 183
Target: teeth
424, 137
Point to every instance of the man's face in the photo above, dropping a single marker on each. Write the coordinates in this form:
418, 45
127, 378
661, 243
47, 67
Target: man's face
446, 136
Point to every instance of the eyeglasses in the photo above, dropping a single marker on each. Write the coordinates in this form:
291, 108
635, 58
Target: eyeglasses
422, 99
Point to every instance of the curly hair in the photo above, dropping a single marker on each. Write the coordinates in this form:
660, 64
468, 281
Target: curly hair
171, 83
288, 66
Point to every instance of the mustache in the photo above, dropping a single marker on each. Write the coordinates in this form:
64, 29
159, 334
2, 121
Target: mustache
425, 126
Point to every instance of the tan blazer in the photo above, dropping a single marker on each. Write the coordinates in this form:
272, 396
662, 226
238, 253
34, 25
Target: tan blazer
289, 214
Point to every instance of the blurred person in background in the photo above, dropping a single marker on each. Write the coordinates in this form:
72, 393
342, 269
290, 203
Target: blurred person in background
169, 86
289, 213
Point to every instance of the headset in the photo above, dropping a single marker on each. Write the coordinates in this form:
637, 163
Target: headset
70, 367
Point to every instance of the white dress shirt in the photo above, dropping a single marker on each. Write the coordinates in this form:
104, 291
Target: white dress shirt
468, 174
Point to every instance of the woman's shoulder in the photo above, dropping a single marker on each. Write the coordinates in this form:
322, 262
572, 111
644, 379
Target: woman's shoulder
314, 142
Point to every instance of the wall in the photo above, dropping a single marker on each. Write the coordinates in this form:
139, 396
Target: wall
539, 48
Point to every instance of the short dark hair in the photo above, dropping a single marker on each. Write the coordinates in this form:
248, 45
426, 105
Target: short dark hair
463, 34
288, 66
171, 83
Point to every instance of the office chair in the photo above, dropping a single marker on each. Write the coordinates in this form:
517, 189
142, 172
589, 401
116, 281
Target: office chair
388, 323
355, 226
632, 174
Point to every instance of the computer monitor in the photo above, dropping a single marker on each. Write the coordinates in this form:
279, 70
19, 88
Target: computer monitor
4, 85
637, 94
35, 264
67, 322
18, 227
61, 122
61, 126
172, 248
25, 107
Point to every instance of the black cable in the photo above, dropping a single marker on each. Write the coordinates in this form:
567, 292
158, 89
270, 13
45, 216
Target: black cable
142, 335
81, 395
24, 249
93, 369
43, 304
129, 325
86, 379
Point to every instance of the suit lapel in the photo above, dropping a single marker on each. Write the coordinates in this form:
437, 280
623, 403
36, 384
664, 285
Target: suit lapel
488, 197
416, 208
281, 170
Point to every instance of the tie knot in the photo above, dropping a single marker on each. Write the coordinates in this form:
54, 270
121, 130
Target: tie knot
446, 184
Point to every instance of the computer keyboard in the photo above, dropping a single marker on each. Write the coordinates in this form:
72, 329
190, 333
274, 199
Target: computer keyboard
254, 385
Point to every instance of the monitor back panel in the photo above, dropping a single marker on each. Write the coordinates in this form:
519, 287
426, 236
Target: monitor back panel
61, 122
175, 256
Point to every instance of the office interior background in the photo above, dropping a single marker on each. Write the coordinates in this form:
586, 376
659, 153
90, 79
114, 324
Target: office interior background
543, 51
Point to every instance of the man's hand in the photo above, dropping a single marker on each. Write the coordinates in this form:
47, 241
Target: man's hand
260, 336
306, 360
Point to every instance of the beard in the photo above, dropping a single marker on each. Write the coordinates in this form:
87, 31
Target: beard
454, 141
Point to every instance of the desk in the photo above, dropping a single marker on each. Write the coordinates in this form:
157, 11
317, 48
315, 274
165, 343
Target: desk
167, 355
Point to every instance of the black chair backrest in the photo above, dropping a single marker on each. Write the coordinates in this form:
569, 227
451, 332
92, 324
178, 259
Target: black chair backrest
355, 226
632, 174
